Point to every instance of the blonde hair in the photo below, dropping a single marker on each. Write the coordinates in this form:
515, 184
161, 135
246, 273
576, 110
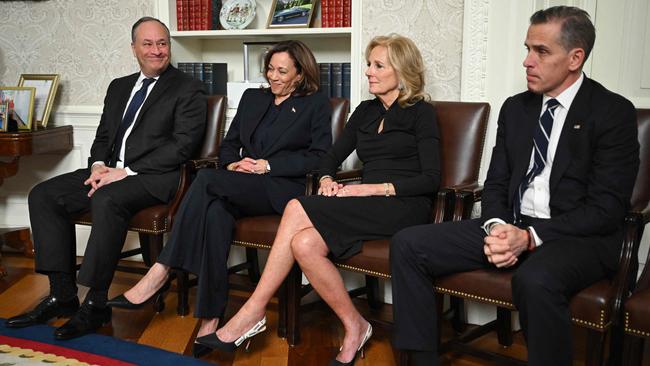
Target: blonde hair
405, 58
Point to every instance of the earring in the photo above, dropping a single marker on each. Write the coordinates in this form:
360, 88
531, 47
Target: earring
400, 86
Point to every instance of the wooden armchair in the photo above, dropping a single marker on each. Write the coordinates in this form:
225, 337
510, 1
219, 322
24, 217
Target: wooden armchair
636, 314
258, 232
153, 222
462, 129
596, 308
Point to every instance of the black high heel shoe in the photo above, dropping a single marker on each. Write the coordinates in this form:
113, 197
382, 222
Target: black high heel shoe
213, 342
199, 350
123, 303
360, 351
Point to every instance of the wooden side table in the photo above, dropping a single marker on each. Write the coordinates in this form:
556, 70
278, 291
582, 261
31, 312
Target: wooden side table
13, 145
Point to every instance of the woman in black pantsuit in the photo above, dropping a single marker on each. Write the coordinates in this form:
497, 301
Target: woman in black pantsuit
396, 137
276, 137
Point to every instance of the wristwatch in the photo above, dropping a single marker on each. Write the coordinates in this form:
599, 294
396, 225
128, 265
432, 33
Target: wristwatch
268, 167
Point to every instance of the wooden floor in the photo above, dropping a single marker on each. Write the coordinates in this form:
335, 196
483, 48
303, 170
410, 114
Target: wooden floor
21, 289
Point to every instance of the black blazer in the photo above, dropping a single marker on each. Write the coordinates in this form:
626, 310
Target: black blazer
168, 131
298, 138
593, 172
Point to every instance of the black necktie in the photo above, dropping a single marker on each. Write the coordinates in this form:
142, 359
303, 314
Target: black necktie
540, 148
129, 116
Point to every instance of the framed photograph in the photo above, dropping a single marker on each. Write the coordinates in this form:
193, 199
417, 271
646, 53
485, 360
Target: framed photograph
21, 105
46, 85
4, 116
291, 13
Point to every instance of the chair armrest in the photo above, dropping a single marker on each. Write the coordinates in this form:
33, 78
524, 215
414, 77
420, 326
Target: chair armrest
196, 164
443, 205
465, 198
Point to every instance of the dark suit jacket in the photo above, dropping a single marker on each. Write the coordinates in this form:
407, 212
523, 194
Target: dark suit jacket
167, 132
298, 138
593, 172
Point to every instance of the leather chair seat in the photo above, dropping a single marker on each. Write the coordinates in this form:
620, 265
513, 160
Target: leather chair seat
637, 314
256, 231
493, 287
151, 220
372, 260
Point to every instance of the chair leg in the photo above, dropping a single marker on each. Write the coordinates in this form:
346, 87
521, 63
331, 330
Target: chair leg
294, 284
595, 341
283, 309
504, 327
372, 288
151, 245
459, 319
440, 303
632, 351
253, 265
616, 346
183, 289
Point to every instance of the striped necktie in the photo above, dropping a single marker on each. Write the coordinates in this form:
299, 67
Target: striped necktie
129, 116
540, 149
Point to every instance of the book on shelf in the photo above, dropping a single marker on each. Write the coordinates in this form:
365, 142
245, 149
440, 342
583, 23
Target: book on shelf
336, 13
213, 75
335, 79
198, 14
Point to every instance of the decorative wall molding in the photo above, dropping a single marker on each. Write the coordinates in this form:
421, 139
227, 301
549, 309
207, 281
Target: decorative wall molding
474, 60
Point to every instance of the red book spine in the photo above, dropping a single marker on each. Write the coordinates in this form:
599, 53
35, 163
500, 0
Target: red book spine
324, 13
338, 13
206, 16
198, 21
179, 15
347, 13
191, 14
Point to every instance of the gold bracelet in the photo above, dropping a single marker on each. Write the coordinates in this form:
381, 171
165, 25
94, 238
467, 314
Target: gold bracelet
325, 176
386, 189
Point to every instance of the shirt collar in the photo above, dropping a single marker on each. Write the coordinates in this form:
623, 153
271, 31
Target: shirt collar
566, 97
142, 77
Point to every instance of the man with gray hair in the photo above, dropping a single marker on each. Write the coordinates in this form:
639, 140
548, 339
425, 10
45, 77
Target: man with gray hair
553, 205
152, 122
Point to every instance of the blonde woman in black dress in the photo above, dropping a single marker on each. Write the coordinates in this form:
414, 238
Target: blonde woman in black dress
396, 138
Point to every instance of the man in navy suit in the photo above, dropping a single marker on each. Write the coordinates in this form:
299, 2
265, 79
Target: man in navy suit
556, 194
152, 122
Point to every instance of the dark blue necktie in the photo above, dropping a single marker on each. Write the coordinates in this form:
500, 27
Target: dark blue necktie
129, 116
540, 149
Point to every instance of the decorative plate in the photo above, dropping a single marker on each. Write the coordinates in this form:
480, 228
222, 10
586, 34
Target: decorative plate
237, 14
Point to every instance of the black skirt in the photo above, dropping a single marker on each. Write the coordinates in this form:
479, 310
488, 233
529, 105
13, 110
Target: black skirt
344, 222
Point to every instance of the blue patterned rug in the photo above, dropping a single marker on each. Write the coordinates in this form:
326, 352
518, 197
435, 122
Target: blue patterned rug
36, 346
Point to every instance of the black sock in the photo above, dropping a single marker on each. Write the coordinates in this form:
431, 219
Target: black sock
423, 358
62, 285
98, 297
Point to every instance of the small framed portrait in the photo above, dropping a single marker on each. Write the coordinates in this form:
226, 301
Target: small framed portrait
21, 105
46, 86
4, 116
291, 13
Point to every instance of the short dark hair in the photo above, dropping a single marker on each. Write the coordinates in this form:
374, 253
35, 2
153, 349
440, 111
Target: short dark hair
577, 29
303, 60
147, 19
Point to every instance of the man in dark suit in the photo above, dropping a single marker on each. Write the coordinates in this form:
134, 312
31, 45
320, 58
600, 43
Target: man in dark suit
556, 193
152, 122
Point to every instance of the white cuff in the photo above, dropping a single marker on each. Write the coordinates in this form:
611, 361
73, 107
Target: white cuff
538, 240
98, 162
487, 226
130, 172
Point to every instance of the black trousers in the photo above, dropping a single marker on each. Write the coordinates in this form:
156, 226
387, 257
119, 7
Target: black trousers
202, 233
542, 285
51, 204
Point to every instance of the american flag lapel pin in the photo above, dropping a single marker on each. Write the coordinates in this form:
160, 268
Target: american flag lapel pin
577, 126
293, 109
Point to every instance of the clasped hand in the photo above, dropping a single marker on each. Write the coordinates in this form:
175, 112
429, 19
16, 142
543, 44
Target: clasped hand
504, 244
250, 166
101, 175
331, 188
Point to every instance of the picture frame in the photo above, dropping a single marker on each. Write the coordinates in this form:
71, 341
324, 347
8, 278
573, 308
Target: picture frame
4, 116
46, 86
291, 13
21, 105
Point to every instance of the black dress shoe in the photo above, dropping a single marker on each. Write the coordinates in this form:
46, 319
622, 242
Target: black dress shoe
49, 308
88, 319
123, 303
213, 342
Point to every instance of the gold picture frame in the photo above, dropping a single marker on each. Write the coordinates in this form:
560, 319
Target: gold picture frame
291, 13
46, 86
21, 104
